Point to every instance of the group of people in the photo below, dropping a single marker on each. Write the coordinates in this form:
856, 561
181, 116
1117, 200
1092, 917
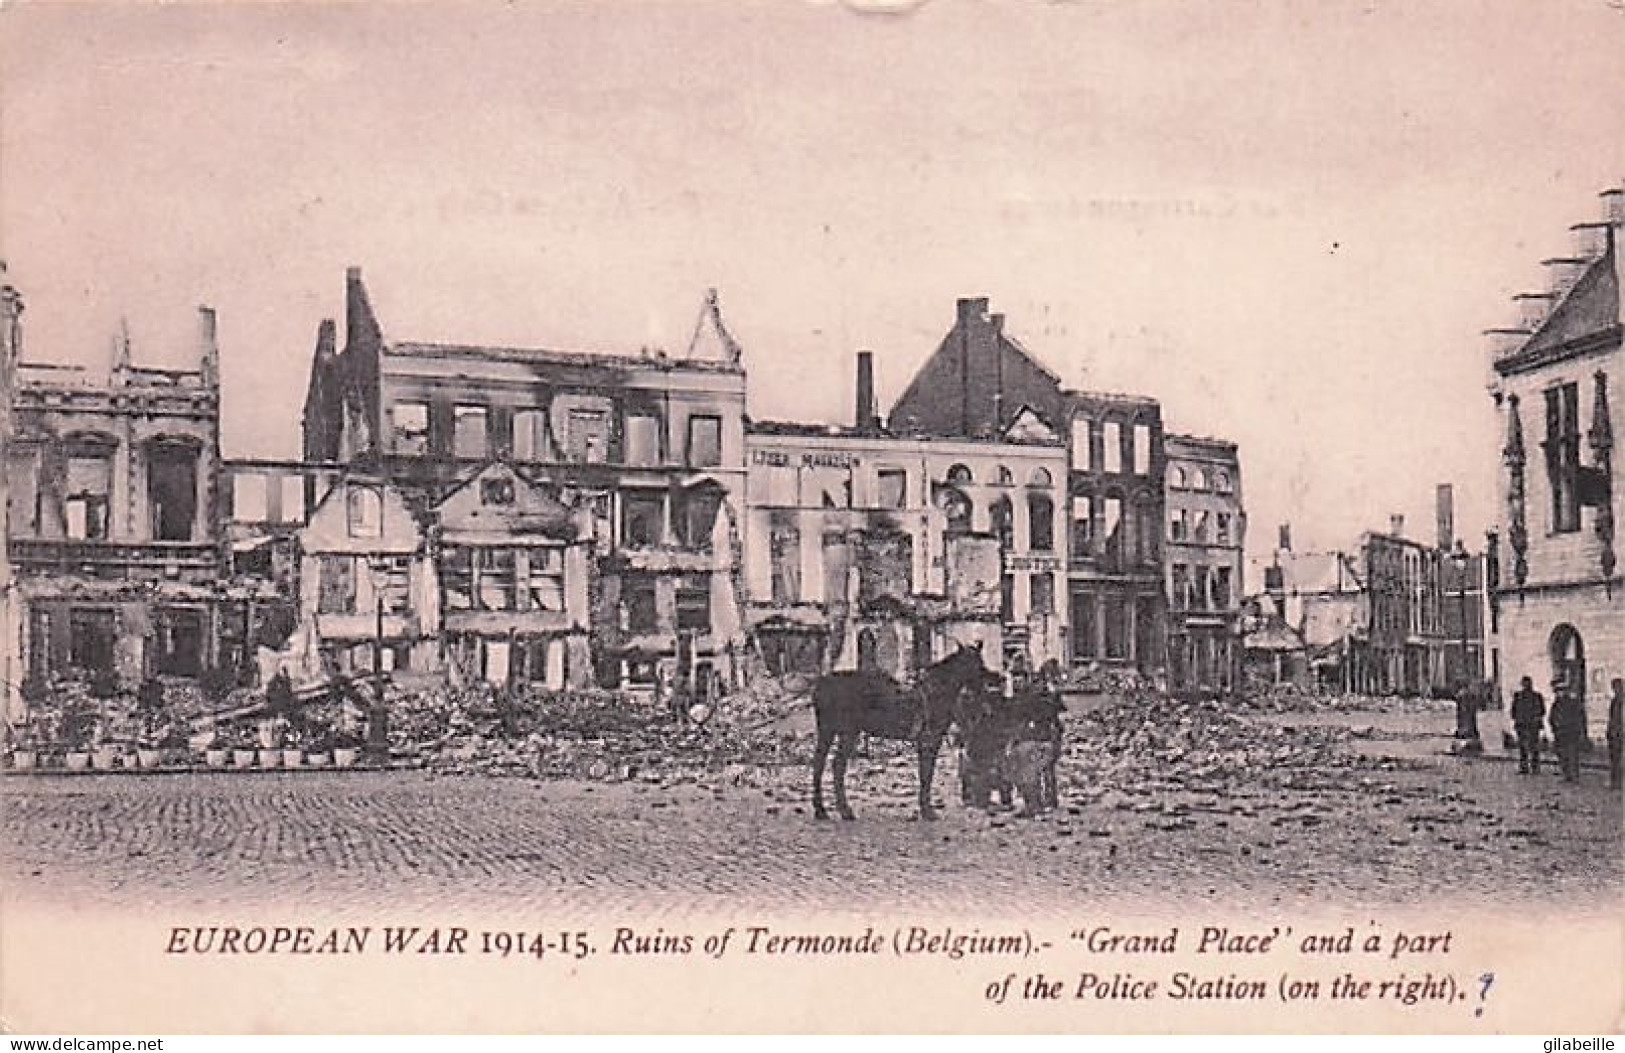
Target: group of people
1567, 721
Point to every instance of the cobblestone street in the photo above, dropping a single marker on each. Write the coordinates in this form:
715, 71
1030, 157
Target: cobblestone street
1422, 827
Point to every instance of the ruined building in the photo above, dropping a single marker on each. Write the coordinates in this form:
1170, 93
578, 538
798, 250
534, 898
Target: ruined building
581, 512
1378, 618
866, 549
1556, 377
111, 526
1207, 532
981, 384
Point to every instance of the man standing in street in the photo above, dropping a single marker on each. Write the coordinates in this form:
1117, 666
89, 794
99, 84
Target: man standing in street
1568, 722
1528, 713
1616, 732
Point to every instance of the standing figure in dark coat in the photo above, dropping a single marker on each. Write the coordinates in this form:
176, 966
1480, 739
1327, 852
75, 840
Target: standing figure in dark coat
1568, 721
1616, 732
1528, 714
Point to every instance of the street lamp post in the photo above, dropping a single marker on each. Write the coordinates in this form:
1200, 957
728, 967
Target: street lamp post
378, 718
1466, 685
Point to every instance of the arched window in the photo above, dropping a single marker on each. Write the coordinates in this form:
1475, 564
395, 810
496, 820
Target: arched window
1221, 481
1040, 522
1198, 480
1041, 478
1003, 476
1176, 478
960, 475
1002, 515
365, 512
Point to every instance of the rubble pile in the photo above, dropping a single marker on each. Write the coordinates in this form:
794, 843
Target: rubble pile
599, 735
1206, 746
1290, 698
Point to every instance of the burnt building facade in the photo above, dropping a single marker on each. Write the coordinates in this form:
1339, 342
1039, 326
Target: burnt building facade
980, 383
111, 522
643, 455
866, 549
1205, 563
1373, 618
1559, 598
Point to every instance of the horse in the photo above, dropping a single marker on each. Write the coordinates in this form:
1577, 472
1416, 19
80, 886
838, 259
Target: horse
870, 702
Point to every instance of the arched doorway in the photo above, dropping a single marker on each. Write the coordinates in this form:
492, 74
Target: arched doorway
1568, 661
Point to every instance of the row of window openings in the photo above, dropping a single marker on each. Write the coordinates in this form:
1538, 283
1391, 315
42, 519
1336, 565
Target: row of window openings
1199, 588
472, 579
489, 579
1121, 449
86, 502
1109, 634
1099, 528
1182, 526
1041, 596
891, 489
643, 516
477, 434
1198, 480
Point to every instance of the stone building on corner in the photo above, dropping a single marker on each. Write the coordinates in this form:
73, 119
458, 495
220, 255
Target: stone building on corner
1560, 596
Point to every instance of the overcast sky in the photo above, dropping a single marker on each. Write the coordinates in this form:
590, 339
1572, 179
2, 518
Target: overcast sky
1288, 221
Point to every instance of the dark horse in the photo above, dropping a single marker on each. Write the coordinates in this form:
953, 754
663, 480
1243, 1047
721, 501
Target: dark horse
872, 703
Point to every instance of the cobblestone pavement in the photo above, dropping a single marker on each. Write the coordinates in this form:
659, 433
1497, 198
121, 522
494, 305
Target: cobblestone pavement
1428, 828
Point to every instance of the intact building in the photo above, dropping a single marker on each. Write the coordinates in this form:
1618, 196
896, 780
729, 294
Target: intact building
1556, 384
1203, 554
979, 383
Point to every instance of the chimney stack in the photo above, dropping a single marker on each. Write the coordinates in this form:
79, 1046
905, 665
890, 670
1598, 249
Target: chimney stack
208, 345
1284, 541
1396, 525
972, 307
11, 318
864, 417
1613, 205
1445, 501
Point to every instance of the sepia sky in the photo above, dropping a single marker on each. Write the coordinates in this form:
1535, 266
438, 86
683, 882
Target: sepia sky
1289, 221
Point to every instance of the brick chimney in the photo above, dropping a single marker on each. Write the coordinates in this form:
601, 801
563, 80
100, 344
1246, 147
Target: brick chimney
864, 415
1396, 525
1445, 506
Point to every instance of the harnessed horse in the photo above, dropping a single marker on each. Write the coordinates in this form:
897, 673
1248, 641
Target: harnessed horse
868, 702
